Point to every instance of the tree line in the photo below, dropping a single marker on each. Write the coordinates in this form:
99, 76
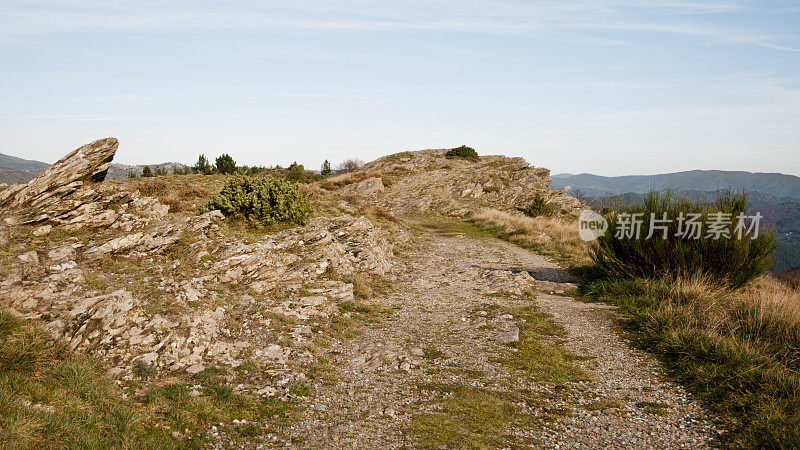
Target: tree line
226, 165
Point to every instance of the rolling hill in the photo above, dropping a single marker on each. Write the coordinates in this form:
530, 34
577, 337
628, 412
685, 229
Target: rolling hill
782, 187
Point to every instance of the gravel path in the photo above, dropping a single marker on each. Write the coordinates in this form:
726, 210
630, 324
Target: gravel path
450, 305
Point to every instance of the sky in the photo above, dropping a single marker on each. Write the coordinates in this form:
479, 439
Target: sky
607, 87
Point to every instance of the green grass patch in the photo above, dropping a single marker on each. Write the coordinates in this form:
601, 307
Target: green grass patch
431, 352
662, 409
52, 398
469, 417
540, 356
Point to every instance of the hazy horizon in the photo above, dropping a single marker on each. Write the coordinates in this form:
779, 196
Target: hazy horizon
610, 88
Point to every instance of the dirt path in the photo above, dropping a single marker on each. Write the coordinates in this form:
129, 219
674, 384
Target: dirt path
433, 370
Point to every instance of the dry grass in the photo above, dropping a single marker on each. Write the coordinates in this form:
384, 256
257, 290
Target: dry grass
556, 237
738, 349
790, 277
340, 181
182, 193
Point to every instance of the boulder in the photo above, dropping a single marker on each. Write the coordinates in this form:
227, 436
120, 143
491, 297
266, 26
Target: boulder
44, 196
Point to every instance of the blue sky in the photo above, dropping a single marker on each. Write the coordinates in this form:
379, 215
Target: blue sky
608, 87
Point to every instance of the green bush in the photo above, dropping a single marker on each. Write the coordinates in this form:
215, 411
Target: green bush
729, 261
225, 164
462, 152
538, 207
262, 201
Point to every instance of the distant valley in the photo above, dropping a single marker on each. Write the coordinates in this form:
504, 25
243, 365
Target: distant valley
781, 187
776, 196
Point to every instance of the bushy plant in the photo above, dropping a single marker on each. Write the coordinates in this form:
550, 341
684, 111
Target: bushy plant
225, 164
297, 173
348, 165
462, 152
538, 207
262, 201
732, 261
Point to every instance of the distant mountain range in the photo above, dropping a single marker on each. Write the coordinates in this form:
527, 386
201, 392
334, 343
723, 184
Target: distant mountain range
15, 170
782, 187
24, 165
775, 196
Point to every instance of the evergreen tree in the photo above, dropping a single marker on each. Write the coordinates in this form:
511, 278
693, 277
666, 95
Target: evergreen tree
147, 172
326, 169
203, 166
226, 164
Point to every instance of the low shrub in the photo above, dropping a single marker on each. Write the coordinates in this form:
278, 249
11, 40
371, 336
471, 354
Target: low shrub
262, 201
462, 152
733, 260
152, 188
538, 207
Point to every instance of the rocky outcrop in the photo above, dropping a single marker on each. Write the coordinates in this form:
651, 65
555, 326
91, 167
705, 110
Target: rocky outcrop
112, 274
429, 182
52, 193
70, 193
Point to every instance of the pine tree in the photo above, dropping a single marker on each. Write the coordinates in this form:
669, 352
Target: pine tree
226, 164
147, 172
326, 169
203, 166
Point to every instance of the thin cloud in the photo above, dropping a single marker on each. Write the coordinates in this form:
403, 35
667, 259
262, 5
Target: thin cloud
67, 117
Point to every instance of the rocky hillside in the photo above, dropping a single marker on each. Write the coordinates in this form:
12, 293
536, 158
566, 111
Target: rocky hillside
428, 181
116, 274
174, 301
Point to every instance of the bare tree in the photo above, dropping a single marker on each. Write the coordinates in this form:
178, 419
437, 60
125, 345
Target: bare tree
349, 165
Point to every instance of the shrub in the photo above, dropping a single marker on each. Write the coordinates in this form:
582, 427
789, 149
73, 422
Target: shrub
173, 203
262, 201
152, 188
729, 261
297, 173
226, 164
538, 208
349, 165
462, 152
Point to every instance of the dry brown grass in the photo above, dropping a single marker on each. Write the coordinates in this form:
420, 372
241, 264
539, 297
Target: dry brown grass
737, 349
180, 192
791, 277
340, 181
553, 236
